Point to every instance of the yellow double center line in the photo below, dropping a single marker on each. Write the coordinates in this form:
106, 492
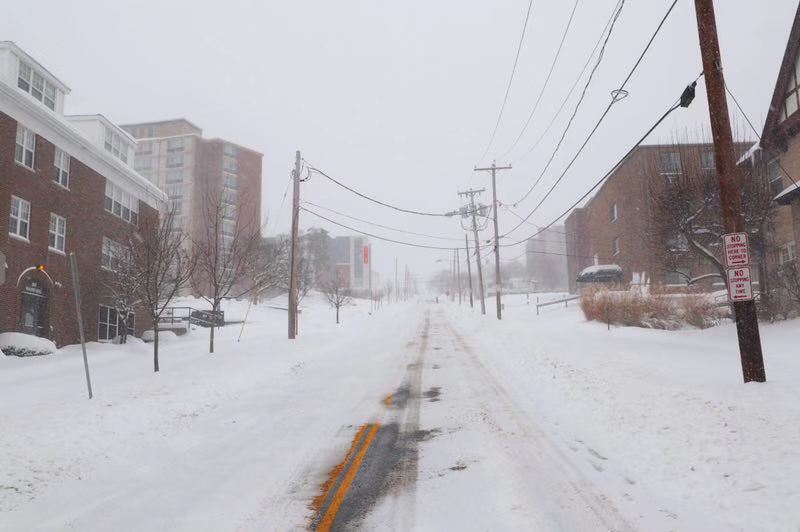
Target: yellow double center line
341, 493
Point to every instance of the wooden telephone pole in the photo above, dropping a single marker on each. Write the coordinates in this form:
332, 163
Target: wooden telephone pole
295, 245
497, 281
730, 193
472, 210
469, 270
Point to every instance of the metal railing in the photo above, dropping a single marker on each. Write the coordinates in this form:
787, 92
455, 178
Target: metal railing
191, 316
556, 302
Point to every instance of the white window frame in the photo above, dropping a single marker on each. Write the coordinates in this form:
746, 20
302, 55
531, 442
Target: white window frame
775, 177
58, 233
615, 247
121, 204
115, 144
705, 154
175, 160
614, 213
787, 253
22, 218
33, 82
111, 252
25, 145
61, 162
105, 312
670, 172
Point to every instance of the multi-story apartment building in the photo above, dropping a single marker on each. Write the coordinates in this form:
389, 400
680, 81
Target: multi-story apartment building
616, 225
66, 185
781, 149
197, 173
546, 259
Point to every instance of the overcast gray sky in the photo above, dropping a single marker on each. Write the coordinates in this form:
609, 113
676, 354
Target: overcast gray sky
397, 99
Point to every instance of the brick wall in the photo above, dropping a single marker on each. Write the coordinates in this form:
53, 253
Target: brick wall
87, 223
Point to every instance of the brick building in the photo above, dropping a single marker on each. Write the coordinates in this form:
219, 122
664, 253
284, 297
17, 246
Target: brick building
614, 227
196, 173
781, 149
65, 186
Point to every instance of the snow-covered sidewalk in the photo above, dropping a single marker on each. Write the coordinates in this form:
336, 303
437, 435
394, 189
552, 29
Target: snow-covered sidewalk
659, 419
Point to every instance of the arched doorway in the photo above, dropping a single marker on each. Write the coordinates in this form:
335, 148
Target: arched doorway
34, 307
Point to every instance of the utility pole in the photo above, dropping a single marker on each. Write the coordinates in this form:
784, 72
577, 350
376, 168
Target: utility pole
293, 262
730, 193
497, 282
458, 276
472, 210
469, 270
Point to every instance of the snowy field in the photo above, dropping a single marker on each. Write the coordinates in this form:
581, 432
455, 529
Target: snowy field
657, 422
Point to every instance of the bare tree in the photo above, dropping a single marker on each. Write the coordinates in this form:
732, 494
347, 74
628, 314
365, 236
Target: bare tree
227, 254
163, 266
122, 282
336, 293
686, 215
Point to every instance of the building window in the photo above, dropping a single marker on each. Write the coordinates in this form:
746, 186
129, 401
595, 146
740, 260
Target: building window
175, 145
61, 168
20, 225
230, 181
142, 163
144, 148
230, 150
670, 163
175, 161
32, 82
174, 176
775, 177
615, 247
26, 146
114, 255
58, 232
791, 103
175, 192
787, 253
707, 161
230, 164
229, 227
121, 204
110, 324
176, 207
116, 145
614, 213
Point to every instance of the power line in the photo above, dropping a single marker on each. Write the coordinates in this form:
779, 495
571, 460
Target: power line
371, 235
614, 100
369, 198
546, 81
657, 123
510, 82
600, 56
577, 79
379, 225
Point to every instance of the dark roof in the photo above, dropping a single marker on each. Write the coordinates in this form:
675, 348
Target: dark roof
775, 131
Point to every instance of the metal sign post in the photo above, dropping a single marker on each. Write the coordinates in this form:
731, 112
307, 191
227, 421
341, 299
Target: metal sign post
76, 288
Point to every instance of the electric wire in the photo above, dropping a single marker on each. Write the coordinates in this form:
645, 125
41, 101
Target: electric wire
577, 80
546, 81
328, 209
617, 95
372, 235
619, 163
510, 82
369, 198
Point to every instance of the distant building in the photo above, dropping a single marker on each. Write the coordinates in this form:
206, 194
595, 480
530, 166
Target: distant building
174, 156
614, 226
66, 185
546, 260
350, 260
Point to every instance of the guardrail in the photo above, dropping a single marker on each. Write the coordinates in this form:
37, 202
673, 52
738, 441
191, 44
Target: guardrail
565, 301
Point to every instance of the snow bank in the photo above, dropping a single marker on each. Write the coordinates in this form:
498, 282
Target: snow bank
163, 336
19, 344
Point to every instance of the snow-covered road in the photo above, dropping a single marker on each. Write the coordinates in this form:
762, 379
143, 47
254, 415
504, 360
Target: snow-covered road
418, 417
